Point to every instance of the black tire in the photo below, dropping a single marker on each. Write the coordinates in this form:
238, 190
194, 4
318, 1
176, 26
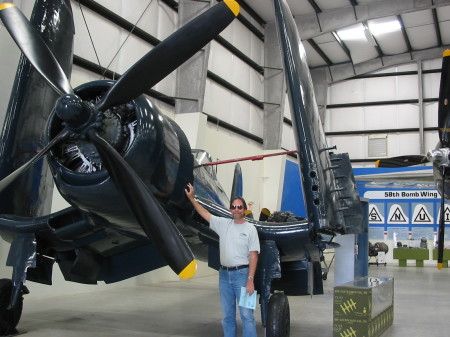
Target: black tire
278, 316
8, 318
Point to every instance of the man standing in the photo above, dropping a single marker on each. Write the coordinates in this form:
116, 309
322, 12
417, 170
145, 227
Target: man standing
239, 249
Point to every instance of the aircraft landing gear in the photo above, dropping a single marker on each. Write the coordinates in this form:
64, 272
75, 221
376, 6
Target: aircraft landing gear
9, 318
278, 316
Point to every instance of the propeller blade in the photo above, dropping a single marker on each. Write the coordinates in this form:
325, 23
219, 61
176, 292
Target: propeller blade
441, 231
444, 106
402, 161
150, 215
11, 177
170, 54
34, 48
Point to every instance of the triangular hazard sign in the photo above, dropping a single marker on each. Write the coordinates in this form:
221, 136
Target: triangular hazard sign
397, 215
421, 215
375, 215
446, 214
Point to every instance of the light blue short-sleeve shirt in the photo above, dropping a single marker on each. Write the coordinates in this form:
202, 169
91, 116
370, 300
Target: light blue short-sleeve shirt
236, 240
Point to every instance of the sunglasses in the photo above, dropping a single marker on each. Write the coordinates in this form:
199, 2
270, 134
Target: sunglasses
236, 206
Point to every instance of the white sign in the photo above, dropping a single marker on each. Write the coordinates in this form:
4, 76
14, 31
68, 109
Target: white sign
421, 215
446, 215
397, 215
403, 194
375, 215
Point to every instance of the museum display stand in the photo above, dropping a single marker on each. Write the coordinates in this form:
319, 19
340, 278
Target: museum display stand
403, 254
445, 259
363, 307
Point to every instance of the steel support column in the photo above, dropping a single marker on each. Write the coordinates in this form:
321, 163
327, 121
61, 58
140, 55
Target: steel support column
274, 90
191, 76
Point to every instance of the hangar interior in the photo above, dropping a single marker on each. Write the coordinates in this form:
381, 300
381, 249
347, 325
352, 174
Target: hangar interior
375, 66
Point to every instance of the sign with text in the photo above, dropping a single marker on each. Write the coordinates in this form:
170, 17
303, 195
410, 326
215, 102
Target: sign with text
404, 213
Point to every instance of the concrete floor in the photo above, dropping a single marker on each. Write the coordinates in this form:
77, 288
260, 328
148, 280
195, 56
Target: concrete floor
191, 309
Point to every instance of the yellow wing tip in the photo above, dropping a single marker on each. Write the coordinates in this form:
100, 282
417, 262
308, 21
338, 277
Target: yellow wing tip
439, 265
6, 5
189, 271
233, 6
446, 53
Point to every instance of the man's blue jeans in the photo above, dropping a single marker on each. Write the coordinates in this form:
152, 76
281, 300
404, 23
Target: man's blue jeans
230, 283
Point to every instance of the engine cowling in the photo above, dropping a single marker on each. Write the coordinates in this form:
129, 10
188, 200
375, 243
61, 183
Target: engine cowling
146, 139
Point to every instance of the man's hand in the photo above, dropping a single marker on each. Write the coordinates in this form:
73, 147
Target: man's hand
189, 190
250, 287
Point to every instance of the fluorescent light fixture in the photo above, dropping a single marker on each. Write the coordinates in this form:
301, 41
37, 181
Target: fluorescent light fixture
355, 32
383, 26
376, 27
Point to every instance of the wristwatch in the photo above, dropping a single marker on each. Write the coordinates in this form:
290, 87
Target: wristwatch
250, 278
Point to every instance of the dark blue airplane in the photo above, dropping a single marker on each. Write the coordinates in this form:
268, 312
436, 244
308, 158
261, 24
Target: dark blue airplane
123, 168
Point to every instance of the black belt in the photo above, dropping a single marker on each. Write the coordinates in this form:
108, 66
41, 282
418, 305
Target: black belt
235, 267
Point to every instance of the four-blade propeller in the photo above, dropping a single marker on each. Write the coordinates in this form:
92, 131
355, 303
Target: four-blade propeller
79, 116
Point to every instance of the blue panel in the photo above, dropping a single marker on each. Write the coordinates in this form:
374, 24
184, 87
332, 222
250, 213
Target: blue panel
292, 199
404, 210
362, 240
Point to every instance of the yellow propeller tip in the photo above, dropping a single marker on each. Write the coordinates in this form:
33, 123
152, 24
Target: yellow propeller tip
265, 211
439, 265
377, 163
189, 271
233, 6
446, 53
6, 5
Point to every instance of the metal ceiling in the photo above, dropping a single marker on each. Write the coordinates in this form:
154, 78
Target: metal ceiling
413, 30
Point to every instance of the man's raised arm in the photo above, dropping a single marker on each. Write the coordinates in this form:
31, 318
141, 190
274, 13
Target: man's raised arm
204, 213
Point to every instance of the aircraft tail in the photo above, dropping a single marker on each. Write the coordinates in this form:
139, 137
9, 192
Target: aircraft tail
332, 200
237, 188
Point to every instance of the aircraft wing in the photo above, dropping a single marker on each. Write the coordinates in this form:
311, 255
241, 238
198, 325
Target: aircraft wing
329, 188
87, 248
405, 175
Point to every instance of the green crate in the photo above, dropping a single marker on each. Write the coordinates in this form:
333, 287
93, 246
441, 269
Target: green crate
369, 327
363, 307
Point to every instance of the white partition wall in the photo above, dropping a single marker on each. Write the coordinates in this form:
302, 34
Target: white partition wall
385, 102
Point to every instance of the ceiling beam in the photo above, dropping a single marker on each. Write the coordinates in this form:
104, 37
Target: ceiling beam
318, 23
436, 27
405, 36
319, 51
342, 45
315, 6
347, 70
372, 40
